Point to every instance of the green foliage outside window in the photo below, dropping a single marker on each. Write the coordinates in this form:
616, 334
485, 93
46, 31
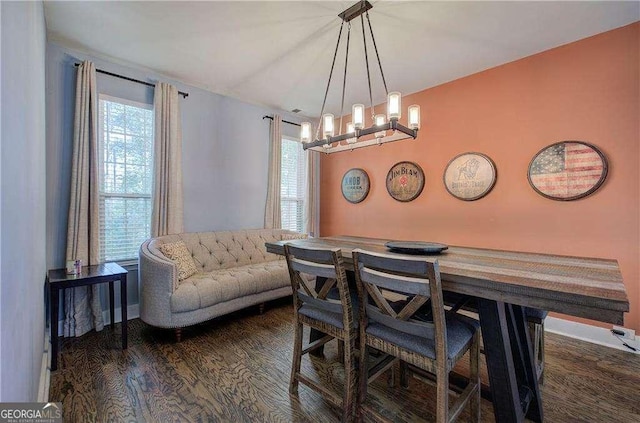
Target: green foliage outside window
126, 177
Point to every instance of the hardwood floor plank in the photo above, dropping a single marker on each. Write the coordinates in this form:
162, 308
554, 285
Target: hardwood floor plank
236, 369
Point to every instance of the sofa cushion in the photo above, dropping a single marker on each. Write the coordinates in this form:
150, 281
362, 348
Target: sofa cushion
178, 253
210, 288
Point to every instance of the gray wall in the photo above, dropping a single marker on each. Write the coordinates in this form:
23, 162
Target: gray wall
225, 151
22, 200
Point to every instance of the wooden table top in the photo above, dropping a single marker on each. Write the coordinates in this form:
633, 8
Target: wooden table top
585, 287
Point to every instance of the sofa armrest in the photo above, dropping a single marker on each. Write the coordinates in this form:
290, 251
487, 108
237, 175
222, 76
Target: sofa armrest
157, 277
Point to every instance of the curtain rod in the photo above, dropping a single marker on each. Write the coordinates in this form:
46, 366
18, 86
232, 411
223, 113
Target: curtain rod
148, 84
285, 121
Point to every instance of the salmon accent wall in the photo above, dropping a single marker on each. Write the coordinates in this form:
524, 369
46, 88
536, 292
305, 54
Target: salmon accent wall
588, 90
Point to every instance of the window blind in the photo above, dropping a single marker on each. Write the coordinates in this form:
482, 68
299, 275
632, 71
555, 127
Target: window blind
292, 185
126, 177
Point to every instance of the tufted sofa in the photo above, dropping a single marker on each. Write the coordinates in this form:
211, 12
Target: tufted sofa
234, 272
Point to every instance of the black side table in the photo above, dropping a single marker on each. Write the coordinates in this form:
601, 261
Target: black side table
57, 280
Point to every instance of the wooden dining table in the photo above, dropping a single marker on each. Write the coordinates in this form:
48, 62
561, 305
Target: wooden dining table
504, 283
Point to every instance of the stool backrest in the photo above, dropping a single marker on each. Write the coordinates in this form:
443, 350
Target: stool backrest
417, 279
320, 263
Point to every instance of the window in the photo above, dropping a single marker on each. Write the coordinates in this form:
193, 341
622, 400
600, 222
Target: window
293, 185
125, 148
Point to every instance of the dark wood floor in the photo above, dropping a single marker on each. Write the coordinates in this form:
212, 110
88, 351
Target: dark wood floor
236, 369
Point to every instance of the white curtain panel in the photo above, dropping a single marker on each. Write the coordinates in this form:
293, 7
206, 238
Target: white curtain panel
167, 212
272, 219
83, 310
312, 214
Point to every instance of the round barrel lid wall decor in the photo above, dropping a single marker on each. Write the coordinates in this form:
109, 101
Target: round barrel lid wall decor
405, 181
355, 185
470, 176
567, 170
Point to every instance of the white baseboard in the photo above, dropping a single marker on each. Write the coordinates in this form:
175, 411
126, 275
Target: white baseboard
589, 333
45, 370
133, 312
581, 331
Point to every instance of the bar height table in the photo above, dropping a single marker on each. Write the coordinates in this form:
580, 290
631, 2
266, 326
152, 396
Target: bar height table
504, 283
58, 279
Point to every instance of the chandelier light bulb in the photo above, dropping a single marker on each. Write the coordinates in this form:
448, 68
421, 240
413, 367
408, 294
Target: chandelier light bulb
380, 120
357, 116
394, 105
327, 125
305, 132
351, 130
414, 116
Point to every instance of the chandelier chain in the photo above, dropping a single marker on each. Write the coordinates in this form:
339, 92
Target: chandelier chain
344, 79
326, 92
384, 81
366, 60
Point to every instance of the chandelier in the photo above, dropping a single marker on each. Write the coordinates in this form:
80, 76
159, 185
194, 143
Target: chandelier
357, 134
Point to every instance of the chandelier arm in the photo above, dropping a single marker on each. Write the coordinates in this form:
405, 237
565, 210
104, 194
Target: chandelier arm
384, 81
344, 79
366, 60
335, 53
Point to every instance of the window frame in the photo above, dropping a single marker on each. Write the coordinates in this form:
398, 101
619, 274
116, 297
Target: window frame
102, 169
303, 197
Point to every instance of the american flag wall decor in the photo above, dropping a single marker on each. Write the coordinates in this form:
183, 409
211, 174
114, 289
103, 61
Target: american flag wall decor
567, 170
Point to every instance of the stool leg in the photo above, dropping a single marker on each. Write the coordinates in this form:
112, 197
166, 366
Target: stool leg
536, 331
348, 399
442, 396
362, 378
404, 375
474, 366
541, 350
297, 359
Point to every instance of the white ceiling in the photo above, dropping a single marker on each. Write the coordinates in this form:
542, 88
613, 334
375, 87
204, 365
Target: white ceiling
279, 54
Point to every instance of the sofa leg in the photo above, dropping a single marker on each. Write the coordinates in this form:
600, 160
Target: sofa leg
261, 308
178, 334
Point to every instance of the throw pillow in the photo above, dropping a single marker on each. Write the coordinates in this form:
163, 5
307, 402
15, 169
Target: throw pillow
180, 255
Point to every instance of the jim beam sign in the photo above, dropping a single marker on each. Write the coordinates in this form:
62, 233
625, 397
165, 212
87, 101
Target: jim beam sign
405, 181
355, 185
